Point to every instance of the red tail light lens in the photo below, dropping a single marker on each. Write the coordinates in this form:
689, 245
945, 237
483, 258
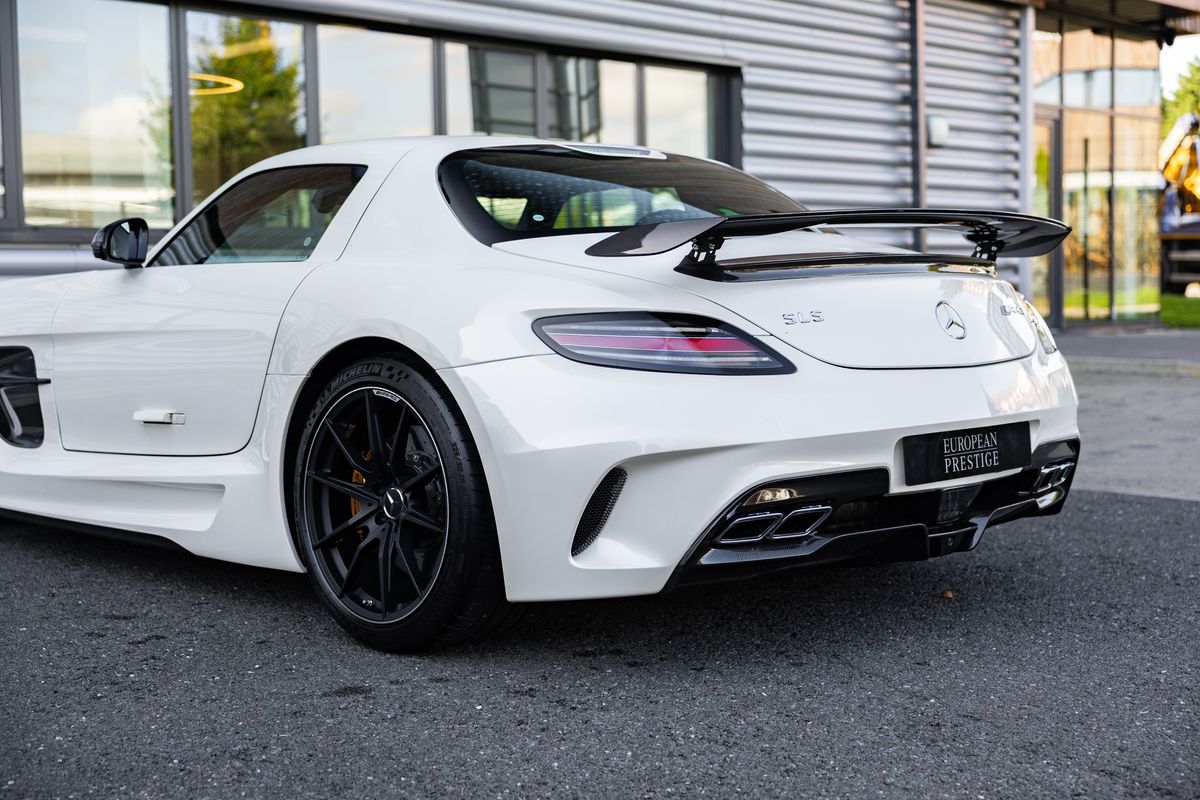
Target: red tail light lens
660, 343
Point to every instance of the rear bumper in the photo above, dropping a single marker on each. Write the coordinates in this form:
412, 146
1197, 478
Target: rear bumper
550, 431
849, 515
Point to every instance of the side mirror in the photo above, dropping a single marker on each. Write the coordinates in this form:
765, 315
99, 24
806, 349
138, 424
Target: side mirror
123, 242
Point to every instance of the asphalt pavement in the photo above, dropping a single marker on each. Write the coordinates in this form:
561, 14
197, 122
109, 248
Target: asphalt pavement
1140, 434
1058, 659
1139, 343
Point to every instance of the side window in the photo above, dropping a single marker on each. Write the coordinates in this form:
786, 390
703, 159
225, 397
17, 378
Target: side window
277, 215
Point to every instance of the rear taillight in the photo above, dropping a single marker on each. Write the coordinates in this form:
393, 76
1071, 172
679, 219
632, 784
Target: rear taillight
659, 342
1042, 329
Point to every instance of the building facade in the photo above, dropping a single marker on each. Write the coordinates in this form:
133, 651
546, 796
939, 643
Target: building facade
113, 108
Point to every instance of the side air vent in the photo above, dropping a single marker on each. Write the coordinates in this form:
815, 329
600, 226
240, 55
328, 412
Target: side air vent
20, 407
596, 513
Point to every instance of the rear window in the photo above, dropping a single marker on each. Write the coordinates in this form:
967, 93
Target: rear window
504, 193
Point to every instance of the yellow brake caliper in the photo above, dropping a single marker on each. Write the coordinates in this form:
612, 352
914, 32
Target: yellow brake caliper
361, 480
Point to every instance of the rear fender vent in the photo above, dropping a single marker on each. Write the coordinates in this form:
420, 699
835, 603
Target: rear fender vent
20, 406
598, 509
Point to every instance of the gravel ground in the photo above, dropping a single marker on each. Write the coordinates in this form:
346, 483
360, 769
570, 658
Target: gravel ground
1064, 664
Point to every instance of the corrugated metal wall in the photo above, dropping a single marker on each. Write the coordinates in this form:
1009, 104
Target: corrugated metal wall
973, 79
826, 114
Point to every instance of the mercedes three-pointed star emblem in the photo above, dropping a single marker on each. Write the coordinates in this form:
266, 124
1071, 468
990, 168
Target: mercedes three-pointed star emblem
949, 320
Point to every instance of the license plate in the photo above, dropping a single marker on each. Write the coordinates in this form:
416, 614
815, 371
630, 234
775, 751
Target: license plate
932, 457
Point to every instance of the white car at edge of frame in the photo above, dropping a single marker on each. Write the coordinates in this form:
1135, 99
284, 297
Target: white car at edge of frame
449, 376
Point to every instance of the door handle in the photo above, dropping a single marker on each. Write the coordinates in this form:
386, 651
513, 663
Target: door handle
155, 416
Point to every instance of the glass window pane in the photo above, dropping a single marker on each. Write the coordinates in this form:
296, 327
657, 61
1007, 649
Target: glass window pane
1043, 205
247, 87
489, 91
677, 111
1135, 217
593, 100
544, 191
1087, 69
373, 84
1047, 66
95, 112
618, 102
1137, 84
1086, 181
278, 215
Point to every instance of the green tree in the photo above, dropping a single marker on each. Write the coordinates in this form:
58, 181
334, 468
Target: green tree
1186, 98
233, 130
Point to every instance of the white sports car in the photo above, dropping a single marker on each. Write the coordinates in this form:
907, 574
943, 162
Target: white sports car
447, 376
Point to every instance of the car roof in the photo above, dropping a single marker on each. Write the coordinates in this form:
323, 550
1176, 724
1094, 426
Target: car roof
379, 151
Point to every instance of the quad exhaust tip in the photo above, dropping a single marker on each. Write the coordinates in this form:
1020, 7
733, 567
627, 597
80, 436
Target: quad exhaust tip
799, 523
1049, 498
1053, 476
753, 526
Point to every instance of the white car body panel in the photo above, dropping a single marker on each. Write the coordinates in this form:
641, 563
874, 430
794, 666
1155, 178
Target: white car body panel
226, 507
232, 347
188, 339
556, 427
193, 340
894, 303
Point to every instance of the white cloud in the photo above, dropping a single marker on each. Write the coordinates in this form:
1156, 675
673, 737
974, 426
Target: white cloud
122, 117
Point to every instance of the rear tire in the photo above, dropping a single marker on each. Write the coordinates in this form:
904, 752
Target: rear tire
394, 521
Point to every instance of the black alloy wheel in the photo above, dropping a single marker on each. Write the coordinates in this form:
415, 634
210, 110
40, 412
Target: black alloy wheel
376, 498
393, 517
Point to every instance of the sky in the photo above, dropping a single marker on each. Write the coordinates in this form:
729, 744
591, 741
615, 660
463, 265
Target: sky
1173, 61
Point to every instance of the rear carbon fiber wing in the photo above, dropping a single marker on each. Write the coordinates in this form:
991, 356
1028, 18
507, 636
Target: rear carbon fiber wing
991, 232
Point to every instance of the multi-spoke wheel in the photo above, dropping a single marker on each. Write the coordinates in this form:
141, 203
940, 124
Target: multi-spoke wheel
376, 503
398, 540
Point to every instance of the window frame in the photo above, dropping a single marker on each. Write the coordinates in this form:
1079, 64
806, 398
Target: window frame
540, 79
20, 232
213, 199
13, 218
312, 59
724, 99
181, 112
1113, 113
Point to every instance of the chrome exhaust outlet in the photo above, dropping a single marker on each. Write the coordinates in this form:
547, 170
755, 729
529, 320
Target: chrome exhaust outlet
1053, 476
783, 525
